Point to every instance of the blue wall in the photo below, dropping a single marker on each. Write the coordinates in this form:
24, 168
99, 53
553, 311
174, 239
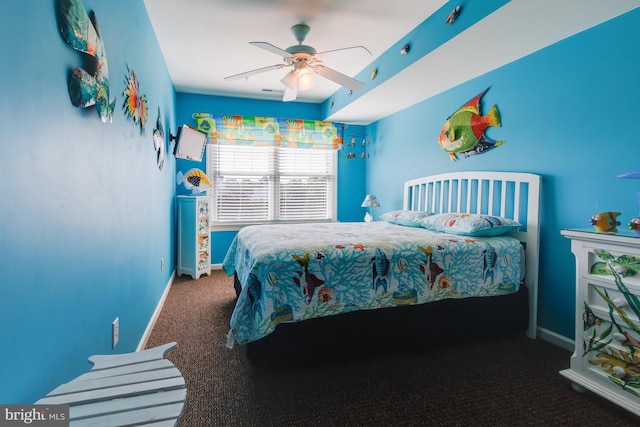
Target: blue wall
86, 215
351, 172
568, 113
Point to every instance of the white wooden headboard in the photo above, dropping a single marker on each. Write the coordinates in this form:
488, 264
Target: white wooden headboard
508, 194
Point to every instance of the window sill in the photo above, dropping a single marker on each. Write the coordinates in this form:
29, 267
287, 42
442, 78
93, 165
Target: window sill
236, 227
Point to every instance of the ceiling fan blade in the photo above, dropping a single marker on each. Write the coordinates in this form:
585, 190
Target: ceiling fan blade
354, 52
290, 94
273, 49
256, 71
337, 77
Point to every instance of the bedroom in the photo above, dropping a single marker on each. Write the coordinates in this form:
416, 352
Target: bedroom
88, 217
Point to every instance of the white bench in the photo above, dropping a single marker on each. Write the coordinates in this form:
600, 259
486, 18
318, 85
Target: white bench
124, 389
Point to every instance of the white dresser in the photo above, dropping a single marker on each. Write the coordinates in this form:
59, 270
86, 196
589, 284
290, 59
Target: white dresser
606, 359
194, 235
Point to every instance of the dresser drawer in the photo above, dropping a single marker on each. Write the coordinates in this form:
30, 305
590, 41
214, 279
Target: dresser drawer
609, 355
600, 261
606, 300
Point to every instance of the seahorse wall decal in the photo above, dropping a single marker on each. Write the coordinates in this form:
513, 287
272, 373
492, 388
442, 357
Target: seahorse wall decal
307, 282
81, 32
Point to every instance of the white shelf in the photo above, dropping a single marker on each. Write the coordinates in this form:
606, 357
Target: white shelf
194, 236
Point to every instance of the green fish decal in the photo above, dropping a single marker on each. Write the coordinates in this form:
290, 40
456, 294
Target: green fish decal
463, 132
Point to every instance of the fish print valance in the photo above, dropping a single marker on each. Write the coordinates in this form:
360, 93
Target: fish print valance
269, 131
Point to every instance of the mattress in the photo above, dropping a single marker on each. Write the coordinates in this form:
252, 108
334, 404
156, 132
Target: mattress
291, 273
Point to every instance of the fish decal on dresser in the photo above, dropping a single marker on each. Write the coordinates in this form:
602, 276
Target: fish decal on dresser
589, 318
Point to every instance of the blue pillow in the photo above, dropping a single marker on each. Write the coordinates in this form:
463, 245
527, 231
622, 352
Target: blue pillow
476, 225
405, 217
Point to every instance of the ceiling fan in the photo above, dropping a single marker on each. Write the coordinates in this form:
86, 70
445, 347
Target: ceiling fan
305, 61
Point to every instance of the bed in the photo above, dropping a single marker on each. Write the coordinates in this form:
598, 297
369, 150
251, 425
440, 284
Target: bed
321, 291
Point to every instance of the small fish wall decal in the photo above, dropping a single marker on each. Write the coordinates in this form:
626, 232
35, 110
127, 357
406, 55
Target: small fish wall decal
453, 15
135, 104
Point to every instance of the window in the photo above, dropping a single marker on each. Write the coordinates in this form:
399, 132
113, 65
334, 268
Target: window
253, 184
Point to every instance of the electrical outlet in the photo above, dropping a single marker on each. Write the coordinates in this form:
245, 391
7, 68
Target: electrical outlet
115, 332
161, 264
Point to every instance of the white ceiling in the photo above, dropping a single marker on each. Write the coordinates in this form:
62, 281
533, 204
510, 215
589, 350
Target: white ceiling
204, 41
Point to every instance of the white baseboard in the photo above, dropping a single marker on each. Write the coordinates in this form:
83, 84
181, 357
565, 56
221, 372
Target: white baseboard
156, 314
216, 266
557, 339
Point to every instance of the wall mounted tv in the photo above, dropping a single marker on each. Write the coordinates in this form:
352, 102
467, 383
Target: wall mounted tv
191, 143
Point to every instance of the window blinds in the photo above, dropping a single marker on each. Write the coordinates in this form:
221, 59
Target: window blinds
270, 184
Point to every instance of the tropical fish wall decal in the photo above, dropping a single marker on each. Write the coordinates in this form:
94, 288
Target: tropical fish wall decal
135, 103
195, 180
463, 132
80, 31
159, 141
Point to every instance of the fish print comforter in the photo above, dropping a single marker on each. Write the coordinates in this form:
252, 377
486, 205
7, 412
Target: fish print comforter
290, 273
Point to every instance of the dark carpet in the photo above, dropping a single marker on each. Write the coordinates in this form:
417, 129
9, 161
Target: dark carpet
506, 382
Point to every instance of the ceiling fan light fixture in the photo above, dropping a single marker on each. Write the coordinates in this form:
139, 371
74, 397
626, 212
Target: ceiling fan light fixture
289, 80
302, 57
305, 79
